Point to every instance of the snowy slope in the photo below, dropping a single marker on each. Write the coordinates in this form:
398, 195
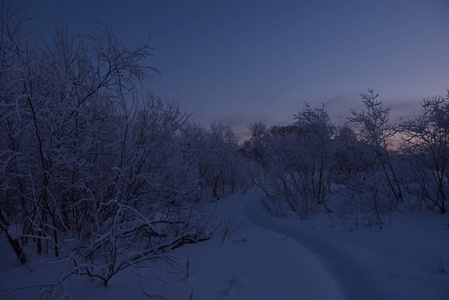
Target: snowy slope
401, 261
274, 258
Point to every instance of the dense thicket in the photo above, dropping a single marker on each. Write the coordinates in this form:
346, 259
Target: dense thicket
93, 171
369, 166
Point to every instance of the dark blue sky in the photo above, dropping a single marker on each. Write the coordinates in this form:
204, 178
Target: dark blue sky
243, 61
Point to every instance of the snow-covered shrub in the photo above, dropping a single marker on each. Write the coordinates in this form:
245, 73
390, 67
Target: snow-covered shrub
296, 160
365, 196
220, 167
364, 201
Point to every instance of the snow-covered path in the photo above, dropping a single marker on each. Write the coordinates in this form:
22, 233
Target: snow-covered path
400, 262
253, 263
277, 258
356, 280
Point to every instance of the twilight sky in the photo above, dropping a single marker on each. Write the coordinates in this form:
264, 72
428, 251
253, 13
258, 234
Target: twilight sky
240, 62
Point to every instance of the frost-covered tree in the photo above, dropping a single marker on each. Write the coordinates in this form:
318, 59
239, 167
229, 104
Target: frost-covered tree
258, 143
220, 166
89, 169
357, 178
298, 160
316, 134
426, 138
374, 128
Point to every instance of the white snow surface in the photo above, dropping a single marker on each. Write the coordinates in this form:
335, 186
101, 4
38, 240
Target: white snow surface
273, 258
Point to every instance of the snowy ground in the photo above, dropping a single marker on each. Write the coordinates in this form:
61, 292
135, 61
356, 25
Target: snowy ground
275, 258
